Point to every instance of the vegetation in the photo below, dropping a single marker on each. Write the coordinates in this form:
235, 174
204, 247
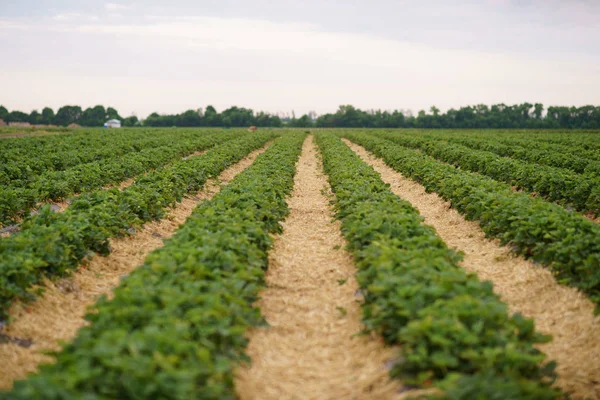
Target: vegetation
53, 244
175, 328
452, 329
98, 115
555, 184
20, 195
564, 241
481, 116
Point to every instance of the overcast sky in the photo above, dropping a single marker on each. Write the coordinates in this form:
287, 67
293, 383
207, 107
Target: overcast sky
169, 56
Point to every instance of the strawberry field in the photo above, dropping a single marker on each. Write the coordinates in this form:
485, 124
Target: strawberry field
418, 264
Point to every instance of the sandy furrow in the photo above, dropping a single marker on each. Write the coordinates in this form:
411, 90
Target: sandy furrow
528, 288
58, 313
310, 350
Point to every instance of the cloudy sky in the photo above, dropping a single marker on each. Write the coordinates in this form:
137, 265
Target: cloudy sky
168, 56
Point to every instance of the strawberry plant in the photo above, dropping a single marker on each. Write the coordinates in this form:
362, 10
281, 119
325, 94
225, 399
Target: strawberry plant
564, 241
447, 323
176, 326
53, 185
559, 185
53, 244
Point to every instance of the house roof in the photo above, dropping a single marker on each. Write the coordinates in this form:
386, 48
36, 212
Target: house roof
113, 121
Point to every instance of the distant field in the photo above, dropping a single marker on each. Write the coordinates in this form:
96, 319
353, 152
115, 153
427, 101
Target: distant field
429, 239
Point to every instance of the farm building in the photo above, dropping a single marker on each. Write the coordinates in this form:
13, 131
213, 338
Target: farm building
112, 123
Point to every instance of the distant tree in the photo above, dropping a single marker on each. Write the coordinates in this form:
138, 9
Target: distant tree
211, 116
35, 118
3, 113
47, 116
189, 118
96, 116
17, 116
111, 113
130, 121
302, 122
67, 115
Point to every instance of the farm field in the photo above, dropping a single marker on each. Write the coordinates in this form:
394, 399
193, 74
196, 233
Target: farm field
323, 264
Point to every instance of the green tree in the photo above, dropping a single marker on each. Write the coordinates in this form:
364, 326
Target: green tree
96, 116
17, 116
67, 115
211, 117
47, 116
35, 118
3, 113
131, 121
111, 113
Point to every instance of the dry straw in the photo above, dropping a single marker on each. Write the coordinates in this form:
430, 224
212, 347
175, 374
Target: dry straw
311, 349
530, 289
58, 314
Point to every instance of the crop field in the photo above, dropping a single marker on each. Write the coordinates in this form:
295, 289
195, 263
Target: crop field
213, 263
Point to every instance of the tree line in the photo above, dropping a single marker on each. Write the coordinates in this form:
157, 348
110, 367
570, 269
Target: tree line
98, 115
498, 116
481, 116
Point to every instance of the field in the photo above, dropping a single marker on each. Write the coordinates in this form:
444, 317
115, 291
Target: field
323, 264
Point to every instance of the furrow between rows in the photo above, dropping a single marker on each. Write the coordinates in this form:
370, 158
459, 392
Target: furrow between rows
59, 313
563, 312
312, 347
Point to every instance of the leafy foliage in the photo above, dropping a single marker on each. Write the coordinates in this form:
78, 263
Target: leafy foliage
175, 327
565, 241
530, 150
554, 184
51, 244
30, 181
448, 324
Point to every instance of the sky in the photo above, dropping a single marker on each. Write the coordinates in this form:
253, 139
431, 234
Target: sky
283, 56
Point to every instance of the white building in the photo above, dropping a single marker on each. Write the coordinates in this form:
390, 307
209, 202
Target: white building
112, 123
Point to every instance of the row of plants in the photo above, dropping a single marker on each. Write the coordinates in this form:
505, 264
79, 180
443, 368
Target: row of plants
16, 202
584, 141
53, 244
565, 241
559, 185
452, 330
22, 162
523, 152
579, 145
176, 326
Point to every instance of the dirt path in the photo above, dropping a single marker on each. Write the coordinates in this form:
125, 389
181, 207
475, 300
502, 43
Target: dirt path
310, 351
58, 314
530, 289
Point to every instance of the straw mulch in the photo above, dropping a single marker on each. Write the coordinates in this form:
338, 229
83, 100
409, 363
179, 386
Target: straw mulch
58, 313
559, 310
311, 349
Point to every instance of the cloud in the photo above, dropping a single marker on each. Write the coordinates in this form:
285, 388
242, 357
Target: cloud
150, 63
67, 16
116, 6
